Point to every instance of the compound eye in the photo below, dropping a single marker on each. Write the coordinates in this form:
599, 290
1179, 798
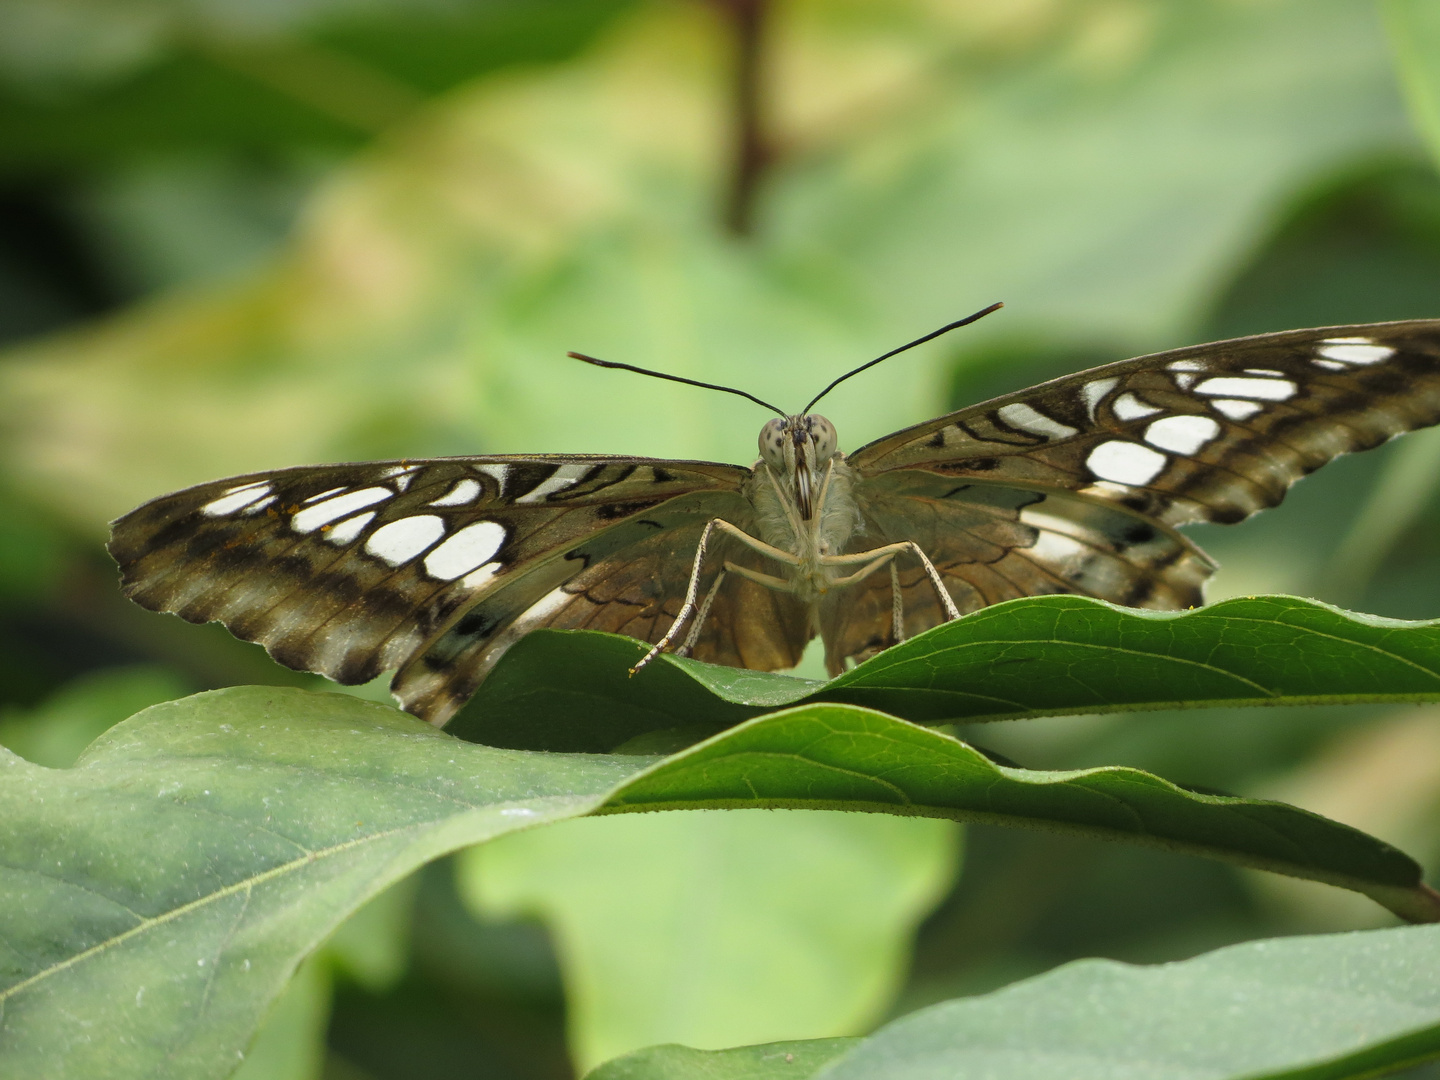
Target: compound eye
772, 443
822, 432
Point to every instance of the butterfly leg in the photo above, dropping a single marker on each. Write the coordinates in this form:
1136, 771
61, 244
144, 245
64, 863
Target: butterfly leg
692, 592
770, 582
897, 605
889, 551
897, 599
704, 614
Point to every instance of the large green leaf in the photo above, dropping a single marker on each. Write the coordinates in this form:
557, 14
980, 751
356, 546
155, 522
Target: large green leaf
166, 887
843, 757
1041, 656
1304, 1008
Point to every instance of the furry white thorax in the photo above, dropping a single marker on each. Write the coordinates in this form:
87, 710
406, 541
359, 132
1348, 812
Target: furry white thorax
804, 499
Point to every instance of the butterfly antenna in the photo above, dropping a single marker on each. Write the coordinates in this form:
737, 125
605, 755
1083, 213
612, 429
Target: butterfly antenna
918, 341
676, 378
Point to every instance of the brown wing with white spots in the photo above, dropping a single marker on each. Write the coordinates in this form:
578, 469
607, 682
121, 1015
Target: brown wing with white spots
350, 570
1209, 433
991, 543
638, 591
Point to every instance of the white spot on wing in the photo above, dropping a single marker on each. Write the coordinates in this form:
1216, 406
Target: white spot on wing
1264, 371
476, 578
1236, 409
1022, 416
563, 477
400, 541
1266, 389
312, 517
401, 475
1094, 392
1181, 434
543, 608
1125, 462
322, 495
236, 498
1187, 365
497, 471
350, 528
1330, 365
256, 507
462, 493
1352, 351
1056, 549
465, 550
1185, 379
1128, 407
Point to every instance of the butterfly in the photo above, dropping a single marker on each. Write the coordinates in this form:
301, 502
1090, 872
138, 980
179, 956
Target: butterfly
435, 567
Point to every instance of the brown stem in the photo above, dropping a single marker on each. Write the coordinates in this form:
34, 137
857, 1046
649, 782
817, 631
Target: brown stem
750, 151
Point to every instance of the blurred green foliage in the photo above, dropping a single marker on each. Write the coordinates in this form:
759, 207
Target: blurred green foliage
236, 235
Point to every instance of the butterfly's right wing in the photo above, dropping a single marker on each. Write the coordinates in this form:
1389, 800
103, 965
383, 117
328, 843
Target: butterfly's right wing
431, 566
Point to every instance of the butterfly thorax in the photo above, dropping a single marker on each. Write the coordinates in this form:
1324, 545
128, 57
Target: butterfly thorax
803, 493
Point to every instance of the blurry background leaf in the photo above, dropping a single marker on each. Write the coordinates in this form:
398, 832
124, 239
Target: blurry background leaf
1415, 36
54, 732
1384, 779
371, 949
291, 1043
429, 303
87, 82
771, 1061
722, 928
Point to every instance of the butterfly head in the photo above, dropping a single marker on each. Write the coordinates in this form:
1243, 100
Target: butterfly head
799, 449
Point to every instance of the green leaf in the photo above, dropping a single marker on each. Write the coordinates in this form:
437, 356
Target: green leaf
58, 730
268, 815
1348, 1005
166, 887
704, 928
1301, 1008
290, 1044
571, 690
1039, 656
842, 757
96, 84
769, 1061
1414, 27
1047, 656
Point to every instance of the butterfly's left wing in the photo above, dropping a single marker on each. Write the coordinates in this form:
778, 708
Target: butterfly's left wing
434, 566
1077, 485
